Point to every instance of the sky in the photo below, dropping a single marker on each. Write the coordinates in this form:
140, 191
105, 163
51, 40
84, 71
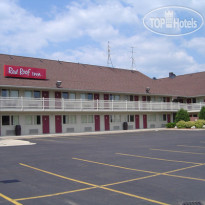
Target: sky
78, 31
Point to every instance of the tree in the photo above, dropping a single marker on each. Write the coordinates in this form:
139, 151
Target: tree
202, 113
182, 115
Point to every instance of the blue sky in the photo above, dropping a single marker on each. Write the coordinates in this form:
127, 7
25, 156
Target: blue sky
78, 31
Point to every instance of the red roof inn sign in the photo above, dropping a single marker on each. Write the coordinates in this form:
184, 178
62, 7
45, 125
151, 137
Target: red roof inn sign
24, 72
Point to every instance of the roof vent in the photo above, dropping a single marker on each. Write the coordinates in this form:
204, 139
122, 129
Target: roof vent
172, 75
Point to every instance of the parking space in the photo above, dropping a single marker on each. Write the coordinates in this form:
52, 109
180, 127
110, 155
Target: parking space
164, 167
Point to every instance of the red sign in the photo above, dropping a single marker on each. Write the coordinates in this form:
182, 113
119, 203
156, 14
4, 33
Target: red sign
24, 72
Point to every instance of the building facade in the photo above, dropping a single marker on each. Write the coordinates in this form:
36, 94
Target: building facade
46, 96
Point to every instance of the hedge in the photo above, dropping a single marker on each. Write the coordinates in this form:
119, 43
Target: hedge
189, 124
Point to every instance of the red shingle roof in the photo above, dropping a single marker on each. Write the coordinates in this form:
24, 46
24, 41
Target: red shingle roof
75, 76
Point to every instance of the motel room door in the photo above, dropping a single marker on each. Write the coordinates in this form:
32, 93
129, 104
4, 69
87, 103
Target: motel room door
168, 118
107, 122
58, 123
137, 121
144, 121
45, 120
58, 100
97, 122
45, 95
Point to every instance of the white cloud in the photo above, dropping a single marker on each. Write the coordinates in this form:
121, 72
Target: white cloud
197, 44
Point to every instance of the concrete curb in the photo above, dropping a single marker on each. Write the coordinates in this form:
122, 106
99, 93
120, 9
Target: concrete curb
95, 133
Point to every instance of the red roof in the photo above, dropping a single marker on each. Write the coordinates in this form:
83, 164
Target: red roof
75, 76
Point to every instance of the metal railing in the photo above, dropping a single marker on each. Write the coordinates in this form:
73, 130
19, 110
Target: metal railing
52, 104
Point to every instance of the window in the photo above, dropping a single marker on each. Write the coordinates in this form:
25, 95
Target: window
116, 97
72, 119
15, 120
72, 96
148, 98
9, 93
115, 118
36, 94
131, 98
37, 120
5, 93
6, 120
84, 118
82, 96
152, 117
69, 119
64, 95
28, 120
14, 93
130, 118
90, 96
28, 94
10, 120
90, 118
163, 117
87, 119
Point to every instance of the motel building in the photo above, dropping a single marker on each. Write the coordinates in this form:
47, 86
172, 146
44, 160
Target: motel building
47, 96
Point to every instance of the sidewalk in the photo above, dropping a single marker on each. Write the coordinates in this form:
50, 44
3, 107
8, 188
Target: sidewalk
94, 133
79, 134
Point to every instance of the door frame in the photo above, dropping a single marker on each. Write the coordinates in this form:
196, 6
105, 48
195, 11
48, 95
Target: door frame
107, 122
58, 127
46, 127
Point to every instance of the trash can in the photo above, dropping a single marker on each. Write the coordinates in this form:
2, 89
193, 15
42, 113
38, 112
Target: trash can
125, 126
18, 130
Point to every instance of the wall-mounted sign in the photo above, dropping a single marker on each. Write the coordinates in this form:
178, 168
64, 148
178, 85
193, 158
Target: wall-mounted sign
24, 72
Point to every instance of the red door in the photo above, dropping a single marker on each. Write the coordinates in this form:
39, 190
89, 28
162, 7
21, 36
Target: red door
107, 122
144, 121
137, 121
106, 96
168, 99
106, 104
45, 95
97, 122
144, 98
58, 122
136, 98
168, 118
58, 100
188, 100
96, 96
45, 123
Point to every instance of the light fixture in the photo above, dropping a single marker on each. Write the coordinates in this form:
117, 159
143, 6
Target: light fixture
147, 89
58, 83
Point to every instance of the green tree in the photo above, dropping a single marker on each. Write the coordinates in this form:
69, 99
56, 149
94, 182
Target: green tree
182, 115
202, 113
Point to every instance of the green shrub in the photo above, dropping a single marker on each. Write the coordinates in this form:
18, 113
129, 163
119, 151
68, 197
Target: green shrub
181, 124
190, 124
202, 121
202, 113
182, 115
199, 124
171, 125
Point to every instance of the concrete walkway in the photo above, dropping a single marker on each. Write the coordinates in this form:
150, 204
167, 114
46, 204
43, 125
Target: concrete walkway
95, 133
80, 134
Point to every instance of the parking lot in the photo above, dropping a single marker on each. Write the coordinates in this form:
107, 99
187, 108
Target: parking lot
158, 167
